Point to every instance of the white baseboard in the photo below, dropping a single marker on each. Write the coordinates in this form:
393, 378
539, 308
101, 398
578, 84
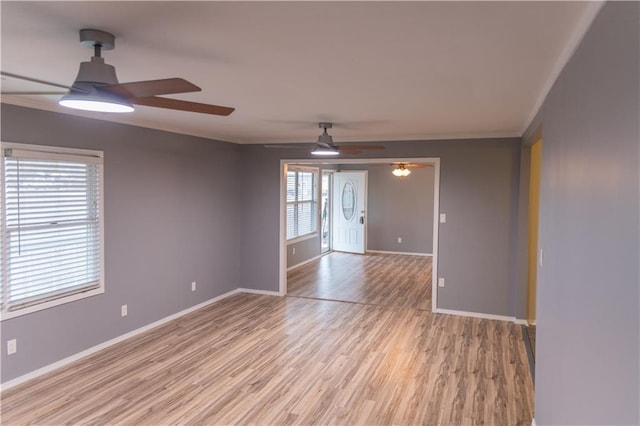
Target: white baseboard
475, 315
63, 362
297, 265
254, 291
400, 252
521, 321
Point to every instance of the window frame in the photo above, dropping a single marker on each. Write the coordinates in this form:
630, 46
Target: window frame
53, 153
314, 203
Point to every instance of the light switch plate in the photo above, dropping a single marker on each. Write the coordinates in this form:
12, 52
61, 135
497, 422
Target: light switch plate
443, 218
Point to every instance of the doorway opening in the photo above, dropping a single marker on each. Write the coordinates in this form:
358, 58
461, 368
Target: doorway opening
328, 243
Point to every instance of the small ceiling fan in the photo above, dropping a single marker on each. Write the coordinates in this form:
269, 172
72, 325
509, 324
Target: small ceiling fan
326, 147
96, 87
402, 168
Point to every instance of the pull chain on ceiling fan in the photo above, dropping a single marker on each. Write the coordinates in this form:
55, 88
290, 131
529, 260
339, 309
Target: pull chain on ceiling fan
96, 87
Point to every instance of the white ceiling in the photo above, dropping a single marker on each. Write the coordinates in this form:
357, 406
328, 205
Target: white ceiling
379, 70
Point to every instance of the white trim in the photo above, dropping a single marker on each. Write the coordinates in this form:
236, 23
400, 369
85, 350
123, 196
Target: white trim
282, 267
521, 321
304, 262
532, 322
436, 234
53, 149
400, 252
579, 32
533, 421
284, 164
54, 302
475, 315
295, 168
68, 360
255, 291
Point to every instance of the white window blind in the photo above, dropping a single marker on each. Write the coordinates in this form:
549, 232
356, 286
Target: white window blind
302, 203
51, 239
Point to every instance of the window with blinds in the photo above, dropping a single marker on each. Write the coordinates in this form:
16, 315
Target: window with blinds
302, 202
51, 241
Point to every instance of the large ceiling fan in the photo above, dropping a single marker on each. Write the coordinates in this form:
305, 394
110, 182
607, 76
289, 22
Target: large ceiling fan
325, 145
96, 87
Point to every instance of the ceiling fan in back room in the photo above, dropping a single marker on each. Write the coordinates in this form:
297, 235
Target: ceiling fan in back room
325, 146
402, 169
96, 88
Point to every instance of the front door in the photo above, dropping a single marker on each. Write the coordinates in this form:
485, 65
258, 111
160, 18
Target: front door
349, 211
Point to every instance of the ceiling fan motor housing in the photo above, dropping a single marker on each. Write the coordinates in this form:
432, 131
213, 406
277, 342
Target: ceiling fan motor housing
96, 72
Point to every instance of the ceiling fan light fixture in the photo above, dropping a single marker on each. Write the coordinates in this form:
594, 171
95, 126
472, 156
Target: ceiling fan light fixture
401, 171
95, 102
95, 106
325, 144
85, 93
326, 151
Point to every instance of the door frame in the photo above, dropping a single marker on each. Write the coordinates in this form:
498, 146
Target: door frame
435, 161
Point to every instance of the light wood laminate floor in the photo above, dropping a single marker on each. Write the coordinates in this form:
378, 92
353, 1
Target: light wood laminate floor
254, 359
375, 278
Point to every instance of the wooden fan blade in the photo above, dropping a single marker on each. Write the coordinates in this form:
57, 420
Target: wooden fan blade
182, 105
145, 89
345, 148
414, 165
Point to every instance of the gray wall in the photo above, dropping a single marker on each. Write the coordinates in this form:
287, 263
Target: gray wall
478, 191
522, 260
171, 217
398, 207
305, 250
587, 357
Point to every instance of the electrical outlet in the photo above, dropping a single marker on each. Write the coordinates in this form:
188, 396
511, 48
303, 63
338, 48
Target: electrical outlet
399, 240
123, 310
293, 250
193, 286
12, 347
440, 282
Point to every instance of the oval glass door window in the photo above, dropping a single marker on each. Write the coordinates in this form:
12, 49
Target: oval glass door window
348, 200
